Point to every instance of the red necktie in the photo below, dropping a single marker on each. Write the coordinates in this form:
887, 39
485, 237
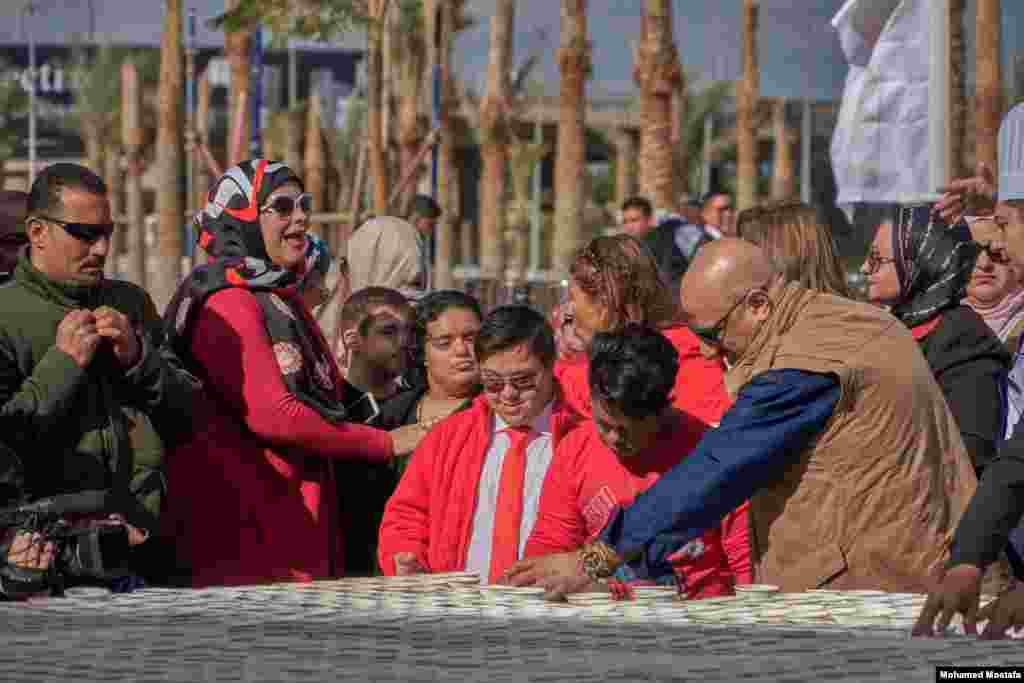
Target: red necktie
508, 506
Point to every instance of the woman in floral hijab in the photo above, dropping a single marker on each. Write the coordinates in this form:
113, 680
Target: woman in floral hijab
919, 267
255, 486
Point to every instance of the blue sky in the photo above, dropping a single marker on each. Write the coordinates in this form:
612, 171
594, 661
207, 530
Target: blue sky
800, 55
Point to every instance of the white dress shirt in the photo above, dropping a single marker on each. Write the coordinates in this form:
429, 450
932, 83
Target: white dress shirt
538, 457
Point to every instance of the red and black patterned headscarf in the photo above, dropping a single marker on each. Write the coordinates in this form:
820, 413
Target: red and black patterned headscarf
229, 230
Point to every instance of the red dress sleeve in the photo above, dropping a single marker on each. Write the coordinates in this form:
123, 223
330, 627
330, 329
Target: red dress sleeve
405, 527
560, 526
736, 541
571, 376
231, 344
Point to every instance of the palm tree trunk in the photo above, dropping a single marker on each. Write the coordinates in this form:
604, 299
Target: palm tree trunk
314, 153
112, 176
746, 110
440, 23
131, 139
570, 159
494, 142
783, 182
625, 164
374, 101
170, 206
92, 134
659, 76
958, 84
988, 109
236, 47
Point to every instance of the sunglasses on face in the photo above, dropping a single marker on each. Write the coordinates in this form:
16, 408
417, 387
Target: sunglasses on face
285, 206
86, 232
996, 252
712, 335
495, 384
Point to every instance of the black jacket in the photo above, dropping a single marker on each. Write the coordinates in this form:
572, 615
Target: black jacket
970, 364
672, 263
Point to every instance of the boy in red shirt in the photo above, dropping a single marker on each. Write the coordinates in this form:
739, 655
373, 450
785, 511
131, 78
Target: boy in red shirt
636, 435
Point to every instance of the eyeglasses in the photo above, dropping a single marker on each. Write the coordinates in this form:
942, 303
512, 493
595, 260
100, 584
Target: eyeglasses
874, 262
712, 335
285, 206
87, 232
997, 253
495, 384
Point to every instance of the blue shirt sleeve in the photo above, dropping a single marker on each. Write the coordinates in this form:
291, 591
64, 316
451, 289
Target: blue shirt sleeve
775, 416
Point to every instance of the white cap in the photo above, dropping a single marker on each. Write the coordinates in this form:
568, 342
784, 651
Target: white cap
1011, 155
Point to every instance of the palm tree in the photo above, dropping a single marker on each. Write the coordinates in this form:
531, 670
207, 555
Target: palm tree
236, 48
746, 112
409, 57
574, 67
988, 109
659, 77
494, 133
170, 205
783, 182
377, 156
958, 84
131, 140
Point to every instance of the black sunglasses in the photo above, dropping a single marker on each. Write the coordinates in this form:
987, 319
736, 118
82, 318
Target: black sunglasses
712, 335
87, 232
996, 252
285, 206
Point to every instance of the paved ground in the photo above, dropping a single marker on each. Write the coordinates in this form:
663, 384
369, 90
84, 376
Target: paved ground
323, 633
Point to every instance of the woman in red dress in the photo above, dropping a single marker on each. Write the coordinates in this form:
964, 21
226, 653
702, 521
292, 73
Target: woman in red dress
253, 491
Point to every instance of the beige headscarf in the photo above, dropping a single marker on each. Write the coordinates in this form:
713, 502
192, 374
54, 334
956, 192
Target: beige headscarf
385, 252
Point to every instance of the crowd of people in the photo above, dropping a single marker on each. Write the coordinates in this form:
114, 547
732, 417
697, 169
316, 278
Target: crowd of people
713, 406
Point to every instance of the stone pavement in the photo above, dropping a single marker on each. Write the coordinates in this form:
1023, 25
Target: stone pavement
320, 632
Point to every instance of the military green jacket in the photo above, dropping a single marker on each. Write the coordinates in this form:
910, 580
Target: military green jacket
101, 427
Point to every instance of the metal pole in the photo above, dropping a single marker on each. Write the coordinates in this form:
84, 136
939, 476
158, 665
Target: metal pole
705, 169
190, 113
939, 146
806, 140
293, 78
256, 86
30, 10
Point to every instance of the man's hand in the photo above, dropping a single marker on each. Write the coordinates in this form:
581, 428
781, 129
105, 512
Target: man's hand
957, 593
534, 570
124, 341
28, 550
78, 336
558, 588
1002, 613
136, 536
407, 438
406, 564
975, 196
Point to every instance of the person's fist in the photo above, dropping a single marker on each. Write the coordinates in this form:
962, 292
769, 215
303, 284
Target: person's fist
78, 336
124, 341
406, 564
28, 550
407, 438
974, 196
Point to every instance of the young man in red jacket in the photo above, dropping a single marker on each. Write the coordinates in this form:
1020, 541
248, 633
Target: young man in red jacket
636, 435
468, 498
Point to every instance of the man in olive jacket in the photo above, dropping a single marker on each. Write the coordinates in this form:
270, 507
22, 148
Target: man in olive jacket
88, 394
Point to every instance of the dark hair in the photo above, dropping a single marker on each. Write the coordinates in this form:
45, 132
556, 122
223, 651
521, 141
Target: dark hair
45, 195
639, 203
508, 326
427, 310
356, 309
706, 198
423, 206
633, 369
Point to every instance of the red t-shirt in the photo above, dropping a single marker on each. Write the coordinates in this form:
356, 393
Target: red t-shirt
586, 481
